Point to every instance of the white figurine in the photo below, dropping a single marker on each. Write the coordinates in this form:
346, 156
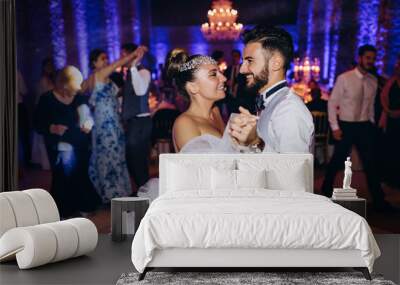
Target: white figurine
347, 174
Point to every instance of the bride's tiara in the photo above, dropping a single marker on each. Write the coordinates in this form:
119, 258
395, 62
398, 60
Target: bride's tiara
196, 62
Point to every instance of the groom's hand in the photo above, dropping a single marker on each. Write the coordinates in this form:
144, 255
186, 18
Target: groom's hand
244, 111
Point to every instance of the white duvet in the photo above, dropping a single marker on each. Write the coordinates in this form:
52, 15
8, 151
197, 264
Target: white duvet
253, 218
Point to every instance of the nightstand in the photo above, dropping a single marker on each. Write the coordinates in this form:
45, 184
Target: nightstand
126, 204
357, 205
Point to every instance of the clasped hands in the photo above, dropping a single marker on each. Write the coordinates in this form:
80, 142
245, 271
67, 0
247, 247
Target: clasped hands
137, 55
242, 128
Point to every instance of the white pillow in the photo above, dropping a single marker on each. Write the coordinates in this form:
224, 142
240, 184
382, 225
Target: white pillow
285, 174
292, 179
186, 175
251, 178
225, 179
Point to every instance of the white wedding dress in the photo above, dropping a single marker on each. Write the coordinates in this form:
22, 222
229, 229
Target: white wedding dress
202, 144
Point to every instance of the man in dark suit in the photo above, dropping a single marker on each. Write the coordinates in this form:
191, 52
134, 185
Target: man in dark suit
136, 115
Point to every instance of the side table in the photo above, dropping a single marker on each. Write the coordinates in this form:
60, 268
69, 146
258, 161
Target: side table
357, 205
126, 204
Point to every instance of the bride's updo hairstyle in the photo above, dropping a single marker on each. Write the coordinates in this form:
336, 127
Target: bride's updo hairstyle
181, 67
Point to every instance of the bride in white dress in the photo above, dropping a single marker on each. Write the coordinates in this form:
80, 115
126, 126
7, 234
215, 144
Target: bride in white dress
200, 129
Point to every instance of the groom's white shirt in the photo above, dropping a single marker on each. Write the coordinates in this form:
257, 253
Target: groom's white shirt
285, 125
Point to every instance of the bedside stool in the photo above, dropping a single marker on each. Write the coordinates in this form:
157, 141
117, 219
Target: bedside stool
357, 205
126, 204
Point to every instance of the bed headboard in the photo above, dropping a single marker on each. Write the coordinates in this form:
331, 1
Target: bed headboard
268, 160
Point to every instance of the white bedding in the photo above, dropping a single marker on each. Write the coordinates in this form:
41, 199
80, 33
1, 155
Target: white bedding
252, 218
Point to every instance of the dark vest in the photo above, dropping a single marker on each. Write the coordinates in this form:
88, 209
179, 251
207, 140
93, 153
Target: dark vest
132, 104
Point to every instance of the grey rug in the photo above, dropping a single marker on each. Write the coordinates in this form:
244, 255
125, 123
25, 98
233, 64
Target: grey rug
242, 278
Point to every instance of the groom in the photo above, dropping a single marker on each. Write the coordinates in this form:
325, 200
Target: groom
284, 124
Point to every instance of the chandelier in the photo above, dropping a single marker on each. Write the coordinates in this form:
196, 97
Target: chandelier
222, 22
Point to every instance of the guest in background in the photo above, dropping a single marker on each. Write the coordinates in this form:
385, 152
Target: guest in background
218, 56
167, 100
136, 115
45, 84
67, 143
108, 170
390, 123
160, 76
377, 103
47, 78
164, 117
232, 74
316, 103
352, 101
380, 136
238, 94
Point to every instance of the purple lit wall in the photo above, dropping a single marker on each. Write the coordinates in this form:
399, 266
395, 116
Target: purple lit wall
342, 26
112, 29
310, 27
336, 18
57, 33
79, 7
96, 37
327, 39
190, 38
371, 28
394, 37
68, 30
368, 12
136, 25
104, 24
318, 31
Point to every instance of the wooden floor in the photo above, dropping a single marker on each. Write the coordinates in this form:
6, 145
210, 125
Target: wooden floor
379, 222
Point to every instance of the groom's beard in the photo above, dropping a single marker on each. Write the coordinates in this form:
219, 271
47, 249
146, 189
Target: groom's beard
260, 80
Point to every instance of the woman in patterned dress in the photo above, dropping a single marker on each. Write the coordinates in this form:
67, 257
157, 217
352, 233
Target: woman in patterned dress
108, 169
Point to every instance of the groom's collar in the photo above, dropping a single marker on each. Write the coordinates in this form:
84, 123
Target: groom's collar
261, 99
273, 89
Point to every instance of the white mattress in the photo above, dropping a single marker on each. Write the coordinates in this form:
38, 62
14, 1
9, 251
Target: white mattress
253, 218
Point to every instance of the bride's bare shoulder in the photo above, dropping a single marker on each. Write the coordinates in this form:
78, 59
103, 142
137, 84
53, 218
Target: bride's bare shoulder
185, 128
185, 121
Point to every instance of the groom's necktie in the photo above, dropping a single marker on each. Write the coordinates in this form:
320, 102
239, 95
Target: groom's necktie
260, 98
259, 103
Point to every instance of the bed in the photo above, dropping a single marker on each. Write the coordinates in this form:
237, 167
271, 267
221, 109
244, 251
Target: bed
246, 211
